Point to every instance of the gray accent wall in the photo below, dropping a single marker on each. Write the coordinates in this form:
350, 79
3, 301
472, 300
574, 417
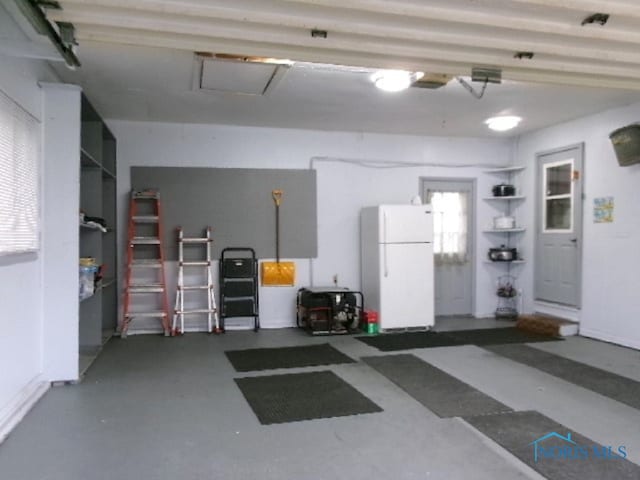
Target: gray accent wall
237, 204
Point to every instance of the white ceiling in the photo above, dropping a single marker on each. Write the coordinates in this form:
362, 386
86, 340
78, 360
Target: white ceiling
138, 60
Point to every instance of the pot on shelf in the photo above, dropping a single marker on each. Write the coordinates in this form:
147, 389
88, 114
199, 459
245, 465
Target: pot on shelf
503, 254
503, 190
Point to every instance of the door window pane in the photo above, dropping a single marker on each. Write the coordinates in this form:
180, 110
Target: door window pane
450, 220
559, 180
558, 214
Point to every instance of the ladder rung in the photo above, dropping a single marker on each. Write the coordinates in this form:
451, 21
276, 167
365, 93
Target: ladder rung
187, 312
195, 287
195, 264
147, 263
145, 314
195, 240
151, 288
145, 219
144, 194
145, 241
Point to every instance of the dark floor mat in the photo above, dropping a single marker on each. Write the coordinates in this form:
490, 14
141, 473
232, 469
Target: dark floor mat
515, 431
617, 387
499, 336
443, 394
285, 357
303, 396
392, 342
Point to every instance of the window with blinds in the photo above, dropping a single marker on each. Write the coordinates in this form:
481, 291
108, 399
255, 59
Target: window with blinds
19, 161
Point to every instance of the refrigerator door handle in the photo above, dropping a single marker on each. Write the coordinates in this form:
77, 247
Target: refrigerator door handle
384, 227
386, 266
384, 240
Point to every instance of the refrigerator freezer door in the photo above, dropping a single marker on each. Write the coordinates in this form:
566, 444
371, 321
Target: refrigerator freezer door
406, 285
405, 224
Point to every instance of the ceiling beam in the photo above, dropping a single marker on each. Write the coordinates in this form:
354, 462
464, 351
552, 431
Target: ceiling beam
273, 11
199, 43
522, 23
421, 31
371, 45
624, 10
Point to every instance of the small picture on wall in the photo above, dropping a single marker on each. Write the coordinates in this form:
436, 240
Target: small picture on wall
603, 210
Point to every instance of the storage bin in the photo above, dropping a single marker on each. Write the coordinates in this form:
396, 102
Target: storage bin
87, 281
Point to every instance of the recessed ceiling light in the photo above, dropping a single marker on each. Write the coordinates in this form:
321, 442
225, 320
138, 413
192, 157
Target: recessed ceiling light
503, 123
395, 80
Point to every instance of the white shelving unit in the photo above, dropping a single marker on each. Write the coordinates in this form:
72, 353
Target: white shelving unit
505, 199
514, 169
505, 230
506, 306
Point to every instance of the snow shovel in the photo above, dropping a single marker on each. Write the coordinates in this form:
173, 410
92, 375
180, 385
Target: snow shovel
278, 274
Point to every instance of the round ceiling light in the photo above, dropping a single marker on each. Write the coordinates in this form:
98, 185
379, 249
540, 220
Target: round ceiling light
504, 123
395, 80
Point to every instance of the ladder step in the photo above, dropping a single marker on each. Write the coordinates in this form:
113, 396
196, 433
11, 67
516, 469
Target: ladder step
145, 219
187, 312
147, 263
150, 288
145, 194
145, 241
196, 287
146, 314
195, 264
195, 240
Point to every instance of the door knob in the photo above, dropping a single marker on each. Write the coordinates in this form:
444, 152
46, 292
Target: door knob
574, 240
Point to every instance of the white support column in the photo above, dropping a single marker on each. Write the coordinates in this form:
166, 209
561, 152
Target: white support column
60, 230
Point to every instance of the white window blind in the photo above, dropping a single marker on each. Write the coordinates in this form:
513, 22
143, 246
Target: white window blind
19, 160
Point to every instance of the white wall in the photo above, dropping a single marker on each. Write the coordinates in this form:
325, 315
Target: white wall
21, 275
342, 188
611, 257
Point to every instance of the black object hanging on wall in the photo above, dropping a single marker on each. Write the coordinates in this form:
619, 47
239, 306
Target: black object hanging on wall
626, 144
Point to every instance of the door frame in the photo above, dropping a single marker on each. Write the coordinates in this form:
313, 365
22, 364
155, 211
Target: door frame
538, 215
472, 181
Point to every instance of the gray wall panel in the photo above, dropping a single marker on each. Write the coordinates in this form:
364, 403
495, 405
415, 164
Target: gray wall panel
237, 204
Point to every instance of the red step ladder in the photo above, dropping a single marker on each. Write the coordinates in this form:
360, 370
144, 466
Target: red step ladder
145, 253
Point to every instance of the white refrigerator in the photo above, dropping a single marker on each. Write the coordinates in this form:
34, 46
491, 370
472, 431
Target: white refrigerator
396, 246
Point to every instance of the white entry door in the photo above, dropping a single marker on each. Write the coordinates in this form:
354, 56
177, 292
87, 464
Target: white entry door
559, 227
452, 206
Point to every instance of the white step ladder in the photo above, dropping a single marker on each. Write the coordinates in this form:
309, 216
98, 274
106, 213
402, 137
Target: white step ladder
211, 310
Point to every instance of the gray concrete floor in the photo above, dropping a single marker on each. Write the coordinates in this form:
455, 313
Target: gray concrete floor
167, 408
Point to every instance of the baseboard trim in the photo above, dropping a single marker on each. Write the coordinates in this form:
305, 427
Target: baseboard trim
557, 310
19, 406
270, 326
606, 337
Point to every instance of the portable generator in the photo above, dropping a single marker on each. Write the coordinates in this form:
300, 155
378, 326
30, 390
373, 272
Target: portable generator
329, 310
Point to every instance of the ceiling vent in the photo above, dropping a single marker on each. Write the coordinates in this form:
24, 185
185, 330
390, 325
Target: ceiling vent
235, 74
